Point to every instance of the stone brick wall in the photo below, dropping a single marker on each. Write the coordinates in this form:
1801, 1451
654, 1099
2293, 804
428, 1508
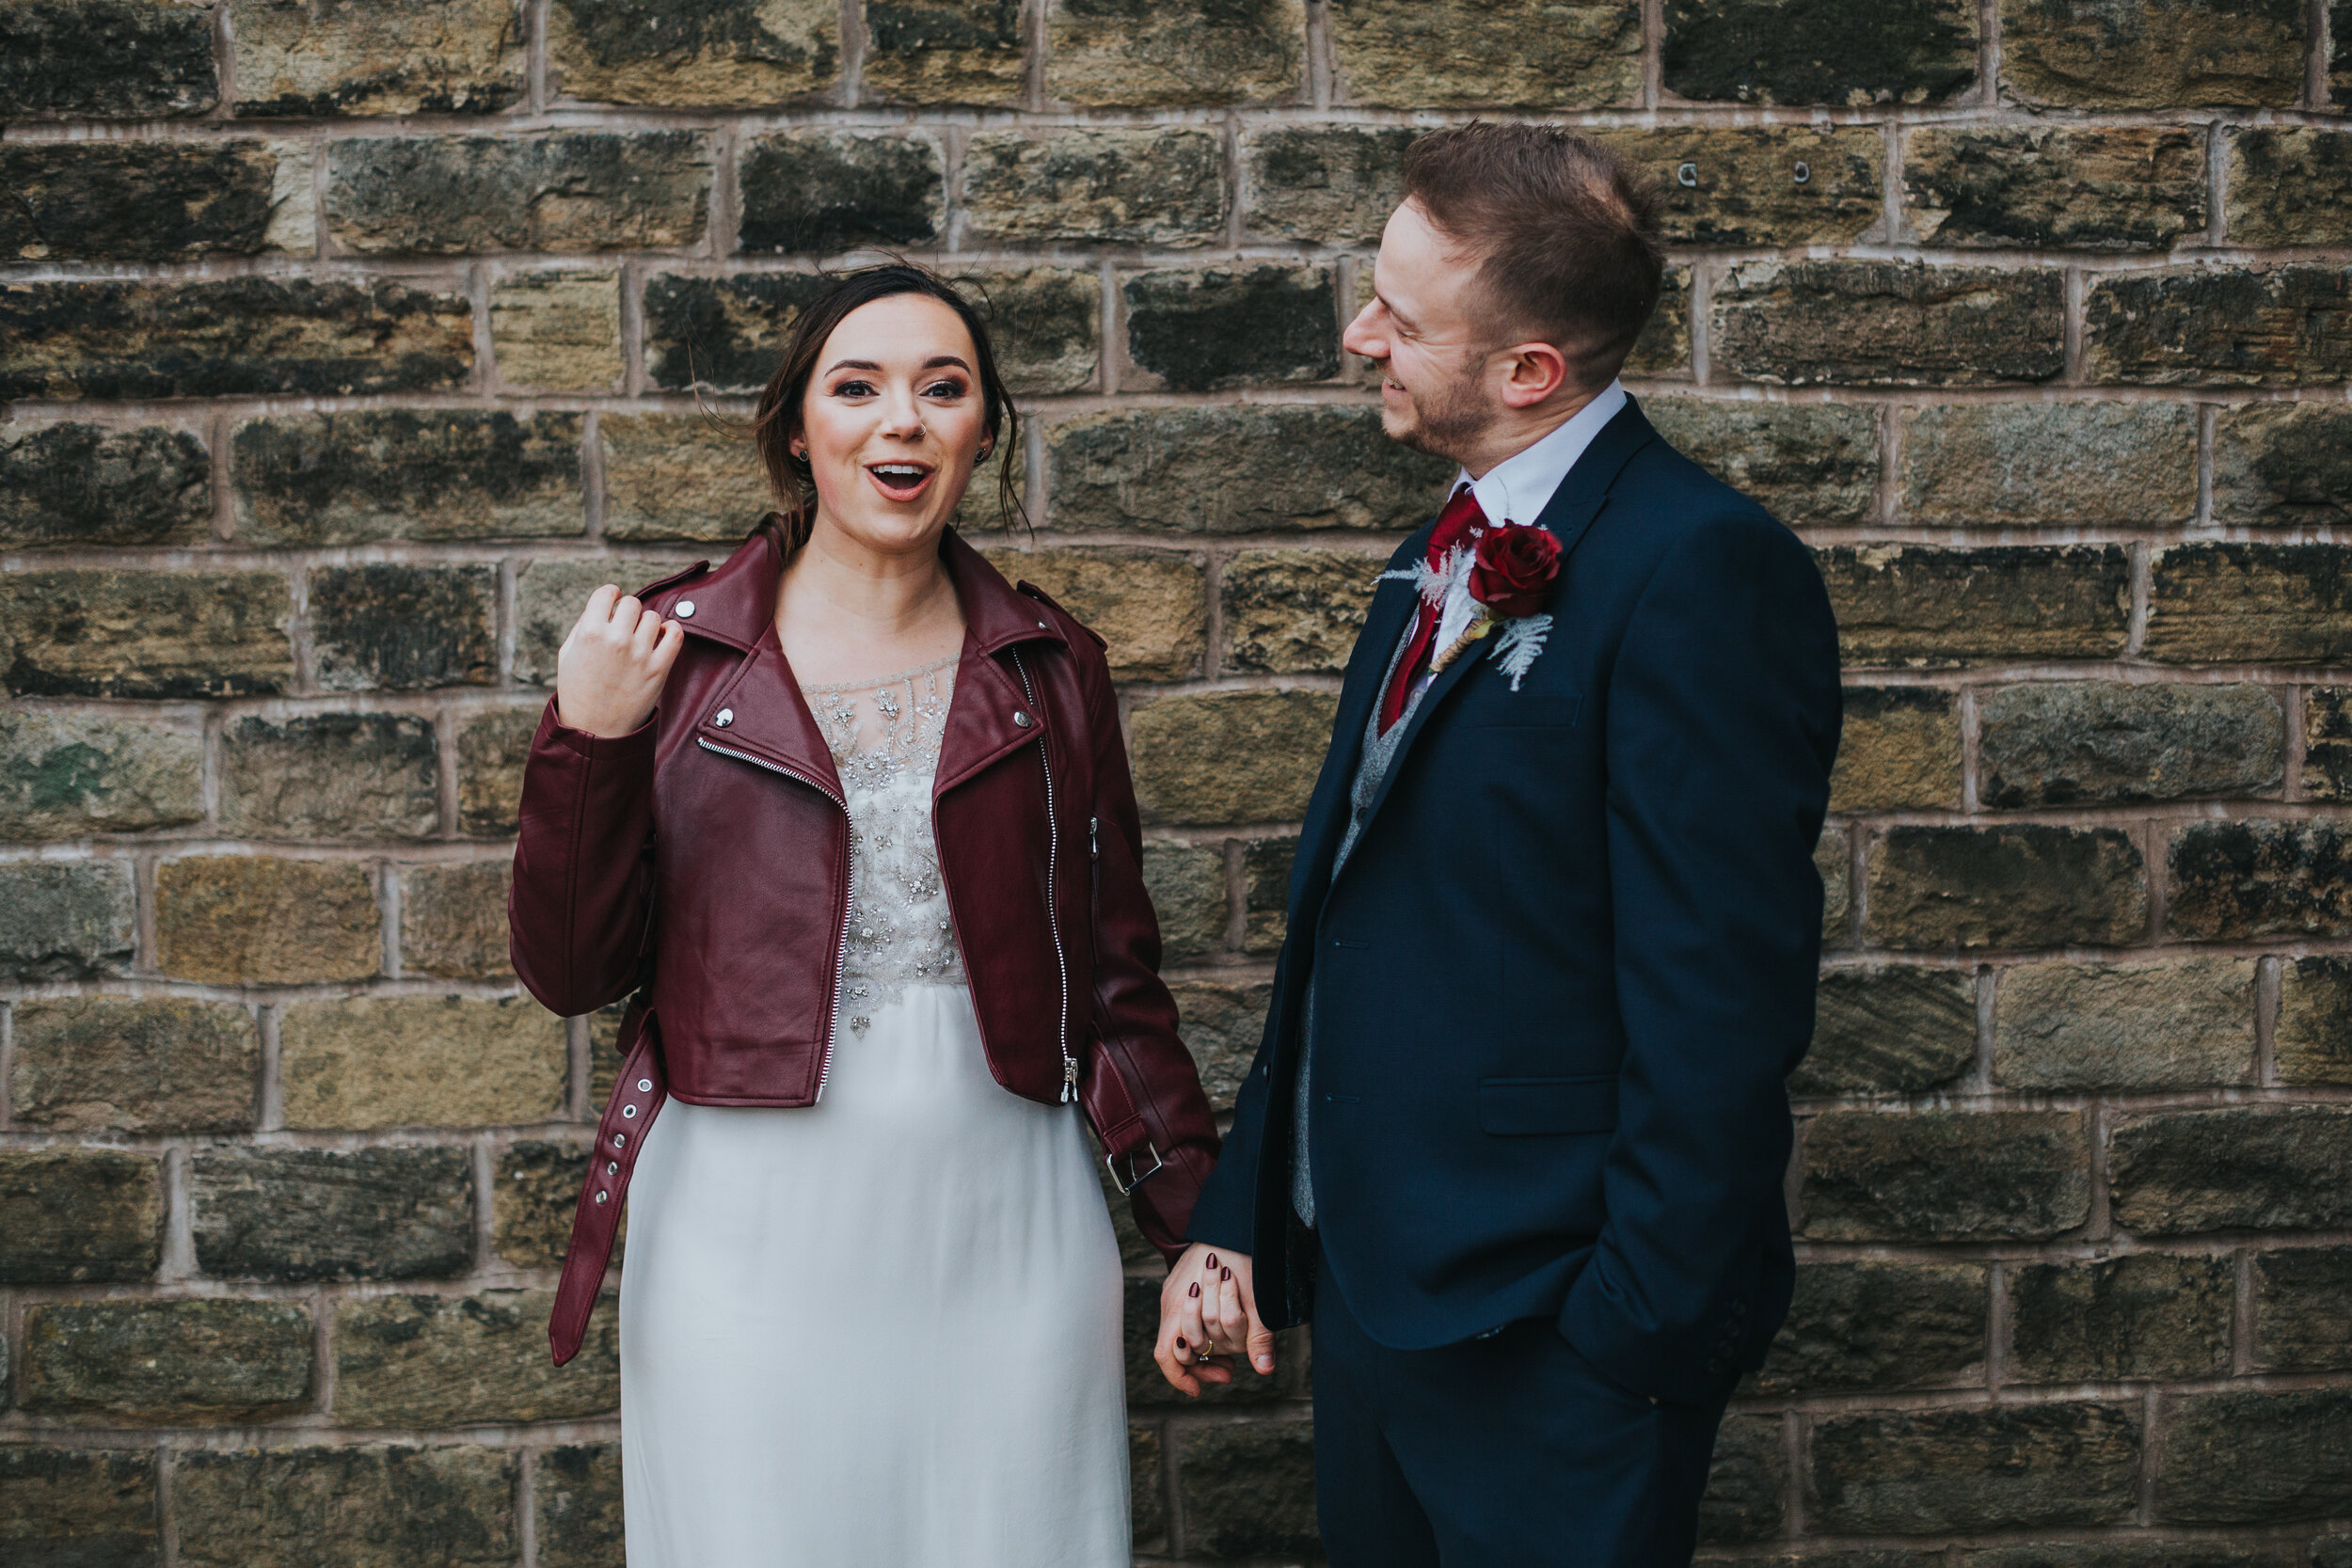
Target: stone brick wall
345, 345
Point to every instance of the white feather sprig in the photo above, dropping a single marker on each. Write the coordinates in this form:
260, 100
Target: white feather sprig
1520, 643
1432, 583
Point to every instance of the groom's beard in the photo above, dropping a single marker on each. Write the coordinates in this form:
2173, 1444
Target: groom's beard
1449, 421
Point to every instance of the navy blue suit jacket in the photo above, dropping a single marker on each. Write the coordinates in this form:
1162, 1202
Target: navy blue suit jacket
1571, 960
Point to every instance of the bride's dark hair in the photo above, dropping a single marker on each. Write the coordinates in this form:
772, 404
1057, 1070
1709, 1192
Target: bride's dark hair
778, 419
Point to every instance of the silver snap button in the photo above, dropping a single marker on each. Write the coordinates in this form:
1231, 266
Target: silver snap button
629, 1110
1042, 626
604, 1197
620, 1140
612, 1167
686, 609
1021, 718
645, 1085
726, 717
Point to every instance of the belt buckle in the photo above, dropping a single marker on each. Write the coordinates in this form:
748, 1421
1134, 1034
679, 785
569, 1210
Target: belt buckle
1134, 1177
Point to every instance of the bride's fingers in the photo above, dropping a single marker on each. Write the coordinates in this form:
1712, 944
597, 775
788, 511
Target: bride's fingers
1232, 1317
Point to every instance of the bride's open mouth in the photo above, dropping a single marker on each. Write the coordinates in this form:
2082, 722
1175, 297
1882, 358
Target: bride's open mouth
899, 481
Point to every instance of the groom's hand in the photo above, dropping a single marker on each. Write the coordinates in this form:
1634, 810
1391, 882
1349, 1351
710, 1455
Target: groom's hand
1208, 1308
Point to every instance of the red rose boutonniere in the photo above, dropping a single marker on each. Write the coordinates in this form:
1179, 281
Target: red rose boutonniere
1512, 570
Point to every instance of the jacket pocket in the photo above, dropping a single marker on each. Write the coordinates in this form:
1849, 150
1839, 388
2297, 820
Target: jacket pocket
1535, 1107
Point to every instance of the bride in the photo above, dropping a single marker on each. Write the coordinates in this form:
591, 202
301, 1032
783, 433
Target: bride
850, 817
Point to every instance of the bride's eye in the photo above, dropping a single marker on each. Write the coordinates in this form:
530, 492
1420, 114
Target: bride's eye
854, 389
946, 386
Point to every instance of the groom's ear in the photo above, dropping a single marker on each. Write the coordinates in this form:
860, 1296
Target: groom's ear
1533, 372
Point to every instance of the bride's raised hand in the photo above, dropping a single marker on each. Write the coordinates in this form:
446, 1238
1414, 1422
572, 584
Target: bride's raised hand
610, 672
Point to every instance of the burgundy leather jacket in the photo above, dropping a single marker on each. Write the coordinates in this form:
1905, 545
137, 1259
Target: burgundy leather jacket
702, 862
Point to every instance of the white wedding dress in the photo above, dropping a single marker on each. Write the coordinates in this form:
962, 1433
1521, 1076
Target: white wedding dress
881, 1331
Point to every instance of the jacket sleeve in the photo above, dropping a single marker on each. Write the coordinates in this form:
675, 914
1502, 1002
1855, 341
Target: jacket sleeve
580, 916
1723, 721
1135, 1017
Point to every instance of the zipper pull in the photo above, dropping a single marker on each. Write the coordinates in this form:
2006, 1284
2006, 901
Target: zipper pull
1068, 1080
1094, 850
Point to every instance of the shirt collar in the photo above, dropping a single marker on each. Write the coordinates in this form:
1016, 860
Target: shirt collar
1520, 487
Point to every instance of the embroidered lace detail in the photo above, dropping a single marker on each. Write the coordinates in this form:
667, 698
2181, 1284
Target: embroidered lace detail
885, 736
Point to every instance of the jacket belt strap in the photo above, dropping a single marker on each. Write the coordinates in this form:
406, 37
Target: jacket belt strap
1110, 1105
637, 1099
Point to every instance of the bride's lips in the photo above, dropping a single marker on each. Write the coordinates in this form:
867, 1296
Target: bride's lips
901, 482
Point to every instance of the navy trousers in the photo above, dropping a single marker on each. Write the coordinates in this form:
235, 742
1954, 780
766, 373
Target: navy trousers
1506, 1451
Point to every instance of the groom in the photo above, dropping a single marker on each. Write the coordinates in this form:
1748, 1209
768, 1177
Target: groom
1515, 1139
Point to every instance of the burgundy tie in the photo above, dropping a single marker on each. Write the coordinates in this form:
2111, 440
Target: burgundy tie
1462, 519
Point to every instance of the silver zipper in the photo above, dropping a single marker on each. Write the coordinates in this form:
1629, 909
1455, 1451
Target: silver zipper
1053, 917
848, 912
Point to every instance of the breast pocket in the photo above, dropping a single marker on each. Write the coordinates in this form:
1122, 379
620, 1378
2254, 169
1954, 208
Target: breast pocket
1547, 1107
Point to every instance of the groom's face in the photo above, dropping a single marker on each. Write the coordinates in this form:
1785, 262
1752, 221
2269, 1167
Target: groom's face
1420, 333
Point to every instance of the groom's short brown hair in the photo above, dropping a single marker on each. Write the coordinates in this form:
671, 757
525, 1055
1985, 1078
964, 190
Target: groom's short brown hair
1566, 230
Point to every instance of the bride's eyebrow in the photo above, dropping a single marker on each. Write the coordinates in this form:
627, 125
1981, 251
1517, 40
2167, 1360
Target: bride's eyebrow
853, 365
940, 361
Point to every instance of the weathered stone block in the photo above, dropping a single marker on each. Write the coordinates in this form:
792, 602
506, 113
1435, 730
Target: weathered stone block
2141, 1553
245, 920
550, 597
407, 473
66, 774
492, 747
2177, 1173
1889, 1030
167, 1362
2020, 885
80, 485
679, 475
79, 1508
1544, 54
302, 1215
1762, 185
1229, 756
1151, 607
1855, 1326
1889, 323
445, 1361
559, 329
231, 337
404, 628
79, 1216
89, 1064
577, 1501
1147, 1475
1921, 607
154, 201
1929, 1472
348, 58
945, 51
2124, 187
1046, 324
2152, 54
2262, 877
2288, 603
1663, 349
749, 52
2028, 464
1147, 1387
2220, 326
1187, 882
1332, 185
1833, 860
2100, 741
1296, 611
1747, 1482
2340, 59
2124, 1026
1249, 1490
2312, 1038
106, 59
1901, 746
1156, 187
1820, 52
374, 1507
330, 775
145, 634
1267, 467
2289, 185
1266, 886
1944, 1175
2304, 1324
1206, 330
2282, 462
2146, 1315
453, 920
2257, 1457
1805, 463
421, 1061
1191, 52
572, 190
815, 192
531, 1208
725, 333
65, 920
1222, 1026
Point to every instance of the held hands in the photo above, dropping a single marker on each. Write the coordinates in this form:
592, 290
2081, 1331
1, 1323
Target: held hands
1208, 1308
610, 670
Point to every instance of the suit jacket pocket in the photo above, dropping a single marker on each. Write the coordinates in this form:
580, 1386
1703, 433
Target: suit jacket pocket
1537, 1107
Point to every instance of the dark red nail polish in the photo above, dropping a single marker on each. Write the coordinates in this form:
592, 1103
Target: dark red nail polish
1213, 1259
1194, 1289
1228, 1274
1179, 1341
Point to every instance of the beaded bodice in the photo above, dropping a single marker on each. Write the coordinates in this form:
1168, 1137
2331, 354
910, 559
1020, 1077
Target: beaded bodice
885, 736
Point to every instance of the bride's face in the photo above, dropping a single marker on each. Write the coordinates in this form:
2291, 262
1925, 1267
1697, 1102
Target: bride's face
893, 424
